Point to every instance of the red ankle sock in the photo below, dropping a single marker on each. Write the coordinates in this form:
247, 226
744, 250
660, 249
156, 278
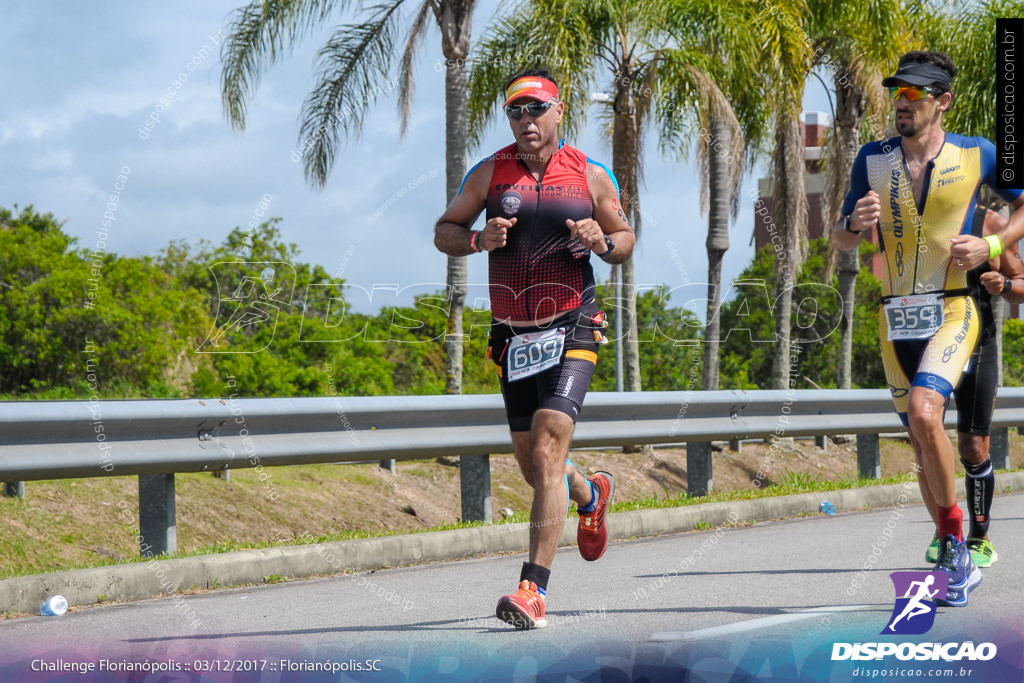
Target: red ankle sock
951, 521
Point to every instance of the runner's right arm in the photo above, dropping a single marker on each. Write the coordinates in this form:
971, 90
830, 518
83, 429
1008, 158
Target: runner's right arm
862, 206
452, 232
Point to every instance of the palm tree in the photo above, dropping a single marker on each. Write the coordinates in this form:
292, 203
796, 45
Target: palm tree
747, 41
788, 60
351, 67
660, 59
965, 32
847, 45
735, 127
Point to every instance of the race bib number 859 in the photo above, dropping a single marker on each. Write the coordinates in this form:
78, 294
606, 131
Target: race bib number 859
529, 354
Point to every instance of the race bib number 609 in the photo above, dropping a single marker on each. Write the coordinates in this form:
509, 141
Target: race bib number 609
529, 354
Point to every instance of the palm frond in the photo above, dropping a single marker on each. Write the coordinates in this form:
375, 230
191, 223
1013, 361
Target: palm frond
972, 49
688, 101
352, 67
405, 78
540, 34
259, 34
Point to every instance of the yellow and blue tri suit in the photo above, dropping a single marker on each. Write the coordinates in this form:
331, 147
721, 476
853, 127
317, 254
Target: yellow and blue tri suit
919, 277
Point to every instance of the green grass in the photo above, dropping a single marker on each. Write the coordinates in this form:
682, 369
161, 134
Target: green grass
796, 484
21, 557
791, 484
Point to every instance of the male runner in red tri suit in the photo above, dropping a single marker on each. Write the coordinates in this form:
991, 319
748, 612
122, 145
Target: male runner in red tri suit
548, 207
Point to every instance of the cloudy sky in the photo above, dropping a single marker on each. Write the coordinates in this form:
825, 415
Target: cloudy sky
79, 80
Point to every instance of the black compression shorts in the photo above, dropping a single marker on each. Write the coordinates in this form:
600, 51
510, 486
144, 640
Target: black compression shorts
976, 394
560, 388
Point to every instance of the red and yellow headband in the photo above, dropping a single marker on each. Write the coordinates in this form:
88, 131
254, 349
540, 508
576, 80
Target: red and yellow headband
534, 87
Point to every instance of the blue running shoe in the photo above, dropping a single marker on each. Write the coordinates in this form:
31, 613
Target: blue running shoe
955, 560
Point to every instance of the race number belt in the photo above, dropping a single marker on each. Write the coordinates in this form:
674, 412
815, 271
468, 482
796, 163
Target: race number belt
915, 316
535, 352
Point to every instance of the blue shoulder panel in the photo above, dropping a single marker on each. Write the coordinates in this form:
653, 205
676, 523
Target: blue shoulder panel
463, 184
611, 175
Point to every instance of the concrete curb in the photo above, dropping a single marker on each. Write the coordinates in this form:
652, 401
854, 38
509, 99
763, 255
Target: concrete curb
138, 581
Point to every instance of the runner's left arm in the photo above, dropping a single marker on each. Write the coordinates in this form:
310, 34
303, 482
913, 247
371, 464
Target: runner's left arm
969, 252
609, 218
1006, 268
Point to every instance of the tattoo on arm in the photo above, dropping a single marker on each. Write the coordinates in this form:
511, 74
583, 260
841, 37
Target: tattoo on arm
622, 216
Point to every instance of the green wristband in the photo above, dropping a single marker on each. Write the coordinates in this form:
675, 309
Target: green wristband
995, 247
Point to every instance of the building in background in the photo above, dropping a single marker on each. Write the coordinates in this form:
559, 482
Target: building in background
814, 127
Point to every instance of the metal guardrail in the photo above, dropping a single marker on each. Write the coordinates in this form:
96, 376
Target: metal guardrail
157, 438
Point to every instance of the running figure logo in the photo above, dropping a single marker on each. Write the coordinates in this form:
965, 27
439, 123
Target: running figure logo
914, 612
251, 295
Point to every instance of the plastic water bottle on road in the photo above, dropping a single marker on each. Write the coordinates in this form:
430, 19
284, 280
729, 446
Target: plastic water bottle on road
54, 606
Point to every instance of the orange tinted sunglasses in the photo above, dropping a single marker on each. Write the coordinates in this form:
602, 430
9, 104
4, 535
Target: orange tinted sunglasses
913, 92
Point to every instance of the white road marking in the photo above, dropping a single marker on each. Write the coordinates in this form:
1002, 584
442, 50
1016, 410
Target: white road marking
754, 624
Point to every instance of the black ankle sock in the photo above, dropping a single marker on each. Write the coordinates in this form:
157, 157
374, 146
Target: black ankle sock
980, 483
536, 573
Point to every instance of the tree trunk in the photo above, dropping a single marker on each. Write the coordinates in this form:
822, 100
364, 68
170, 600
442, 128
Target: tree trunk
455, 22
848, 266
616, 286
790, 217
625, 162
626, 166
717, 244
631, 350
850, 102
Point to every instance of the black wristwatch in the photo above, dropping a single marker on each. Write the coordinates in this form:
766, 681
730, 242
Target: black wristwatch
611, 248
1007, 286
846, 226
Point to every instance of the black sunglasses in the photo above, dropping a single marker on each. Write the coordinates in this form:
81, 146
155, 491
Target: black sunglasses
534, 109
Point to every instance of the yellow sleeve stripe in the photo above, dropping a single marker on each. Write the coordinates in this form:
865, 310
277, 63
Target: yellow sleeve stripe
582, 354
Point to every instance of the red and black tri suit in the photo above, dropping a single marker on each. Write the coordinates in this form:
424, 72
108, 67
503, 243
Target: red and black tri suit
542, 272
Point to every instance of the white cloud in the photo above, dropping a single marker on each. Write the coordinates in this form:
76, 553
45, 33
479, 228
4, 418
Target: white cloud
72, 109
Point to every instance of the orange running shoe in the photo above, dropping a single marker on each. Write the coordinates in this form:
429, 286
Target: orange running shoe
592, 534
523, 609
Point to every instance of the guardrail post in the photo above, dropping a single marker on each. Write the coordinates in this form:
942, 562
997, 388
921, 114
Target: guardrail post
999, 447
698, 468
475, 476
869, 458
14, 489
821, 442
388, 465
157, 526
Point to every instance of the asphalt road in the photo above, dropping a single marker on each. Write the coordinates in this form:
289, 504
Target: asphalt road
763, 602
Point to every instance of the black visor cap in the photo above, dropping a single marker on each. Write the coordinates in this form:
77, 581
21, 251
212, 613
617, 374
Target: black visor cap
916, 73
